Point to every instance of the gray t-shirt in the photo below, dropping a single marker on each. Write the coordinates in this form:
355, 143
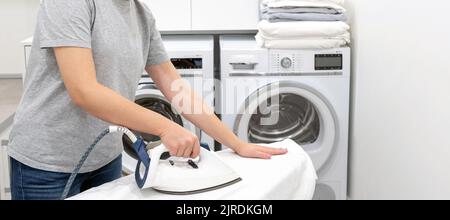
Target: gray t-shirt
50, 132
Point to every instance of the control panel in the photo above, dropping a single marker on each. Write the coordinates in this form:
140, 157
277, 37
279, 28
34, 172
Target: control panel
307, 62
328, 62
187, 63
193, 66
284, 62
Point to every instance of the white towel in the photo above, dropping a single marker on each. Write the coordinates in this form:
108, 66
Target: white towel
305, 43
339, 2
304, 4
345, 36
302, 29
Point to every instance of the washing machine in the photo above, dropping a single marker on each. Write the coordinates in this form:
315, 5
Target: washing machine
193, 57
271, 95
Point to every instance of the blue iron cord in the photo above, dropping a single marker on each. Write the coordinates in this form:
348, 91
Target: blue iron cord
80, 164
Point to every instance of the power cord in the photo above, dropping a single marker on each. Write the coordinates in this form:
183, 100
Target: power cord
83, 159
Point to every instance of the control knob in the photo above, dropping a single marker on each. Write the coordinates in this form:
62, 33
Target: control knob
286, 62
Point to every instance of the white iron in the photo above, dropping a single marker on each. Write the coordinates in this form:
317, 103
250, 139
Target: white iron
183, 176
158, 170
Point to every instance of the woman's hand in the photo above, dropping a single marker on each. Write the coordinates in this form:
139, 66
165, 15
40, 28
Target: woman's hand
180, 142
255, 151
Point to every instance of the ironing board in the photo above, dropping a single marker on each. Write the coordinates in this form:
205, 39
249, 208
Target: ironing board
287, 177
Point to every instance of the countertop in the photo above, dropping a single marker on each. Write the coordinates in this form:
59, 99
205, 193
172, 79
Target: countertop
28, 41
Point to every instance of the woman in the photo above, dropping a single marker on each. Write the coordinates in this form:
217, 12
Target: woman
86, 61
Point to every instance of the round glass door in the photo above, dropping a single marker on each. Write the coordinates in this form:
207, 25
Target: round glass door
159, 105
290, 110
297, 120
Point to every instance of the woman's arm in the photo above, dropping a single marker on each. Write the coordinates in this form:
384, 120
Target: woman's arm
195, 110
78, 73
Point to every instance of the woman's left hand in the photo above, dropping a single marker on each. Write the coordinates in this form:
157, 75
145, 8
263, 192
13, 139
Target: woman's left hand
255, 151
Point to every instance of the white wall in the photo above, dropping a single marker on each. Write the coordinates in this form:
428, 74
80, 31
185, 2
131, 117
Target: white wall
400, 144
17, 21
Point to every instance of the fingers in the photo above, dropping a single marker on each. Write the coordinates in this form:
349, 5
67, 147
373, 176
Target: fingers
190, 147
184, 147
172, 147
180, 151
187, 151
254, 153
260, 152
261, 155
272, 151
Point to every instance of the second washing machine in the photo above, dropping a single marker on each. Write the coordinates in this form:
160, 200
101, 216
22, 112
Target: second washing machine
271, 95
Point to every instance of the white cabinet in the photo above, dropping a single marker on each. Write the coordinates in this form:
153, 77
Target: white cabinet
205, 15
27, 44
225, 14
171, 15
5, 192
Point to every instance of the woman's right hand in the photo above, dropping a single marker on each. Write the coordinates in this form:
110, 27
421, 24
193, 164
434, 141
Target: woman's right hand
180, 142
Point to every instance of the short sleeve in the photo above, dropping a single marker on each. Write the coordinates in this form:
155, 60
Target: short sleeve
157, 52
65, 23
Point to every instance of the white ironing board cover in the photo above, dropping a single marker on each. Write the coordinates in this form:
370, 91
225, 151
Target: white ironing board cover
287, 177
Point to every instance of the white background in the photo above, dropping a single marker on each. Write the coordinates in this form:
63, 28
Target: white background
17, 21
401, 111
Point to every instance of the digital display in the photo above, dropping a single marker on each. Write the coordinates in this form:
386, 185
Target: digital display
187, 63
328, 62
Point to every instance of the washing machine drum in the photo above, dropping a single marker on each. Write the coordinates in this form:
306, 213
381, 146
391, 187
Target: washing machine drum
297, 120
290, 110
158, 105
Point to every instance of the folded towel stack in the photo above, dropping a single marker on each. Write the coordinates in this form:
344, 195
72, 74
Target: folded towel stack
302, 10
303, 24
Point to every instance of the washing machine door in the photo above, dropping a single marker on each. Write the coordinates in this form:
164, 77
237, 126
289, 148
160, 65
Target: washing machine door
290, 110
149, 96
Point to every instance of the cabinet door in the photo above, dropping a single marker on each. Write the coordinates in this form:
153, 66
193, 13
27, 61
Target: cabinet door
225, 14
27, 50
5, 192
171, 15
